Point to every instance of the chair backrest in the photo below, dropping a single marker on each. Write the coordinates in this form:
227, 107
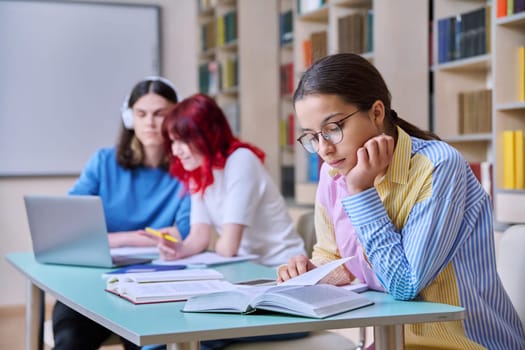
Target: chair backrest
306, 228
511, 266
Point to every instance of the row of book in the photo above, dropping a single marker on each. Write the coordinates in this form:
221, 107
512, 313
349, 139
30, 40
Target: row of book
219, 32
475, 111
356, 32
315, 47
509, 7
217, 76
286, 27
464, 35
513, 160
286, 79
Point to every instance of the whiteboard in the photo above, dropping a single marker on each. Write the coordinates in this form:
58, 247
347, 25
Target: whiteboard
65, 69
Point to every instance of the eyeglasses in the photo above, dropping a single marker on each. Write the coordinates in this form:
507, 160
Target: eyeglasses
331, 132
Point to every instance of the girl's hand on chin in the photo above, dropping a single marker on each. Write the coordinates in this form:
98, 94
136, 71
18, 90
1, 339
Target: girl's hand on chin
373, 159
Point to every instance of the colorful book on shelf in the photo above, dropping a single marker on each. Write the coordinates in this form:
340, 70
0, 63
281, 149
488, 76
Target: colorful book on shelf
290, 129
519, 6
519, 161
286, 27
307, 53
509, 180
521, 73
510, 7
502, 8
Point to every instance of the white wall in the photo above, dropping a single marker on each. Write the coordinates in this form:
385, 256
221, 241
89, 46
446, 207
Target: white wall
179, 64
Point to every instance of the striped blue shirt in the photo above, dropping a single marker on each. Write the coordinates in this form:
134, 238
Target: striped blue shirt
427, 231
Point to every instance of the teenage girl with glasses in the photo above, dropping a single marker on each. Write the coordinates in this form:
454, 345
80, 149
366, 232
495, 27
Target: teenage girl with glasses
405, 204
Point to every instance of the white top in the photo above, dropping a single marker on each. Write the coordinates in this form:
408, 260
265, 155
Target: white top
243, 193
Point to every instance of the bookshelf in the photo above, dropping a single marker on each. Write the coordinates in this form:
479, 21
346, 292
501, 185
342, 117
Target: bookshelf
403, 63
498, 69
287, 135
462, 67
243, 64
218, 57
509, 106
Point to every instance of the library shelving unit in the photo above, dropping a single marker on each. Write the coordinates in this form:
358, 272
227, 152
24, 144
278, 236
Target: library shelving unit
287, 135
218, 57
509, 107
247, 64
458, 69
398, 48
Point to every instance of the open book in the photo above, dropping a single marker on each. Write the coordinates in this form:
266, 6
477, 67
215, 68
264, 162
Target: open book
164, 286
317, 301
300, 296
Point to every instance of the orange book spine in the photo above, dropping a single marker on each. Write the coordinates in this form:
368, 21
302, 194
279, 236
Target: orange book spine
307, 53
502, 8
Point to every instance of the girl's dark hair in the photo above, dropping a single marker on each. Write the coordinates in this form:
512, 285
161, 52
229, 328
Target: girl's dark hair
200, 123
129, 149
356, 81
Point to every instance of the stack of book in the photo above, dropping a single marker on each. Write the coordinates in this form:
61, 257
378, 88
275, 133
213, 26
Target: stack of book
165, 286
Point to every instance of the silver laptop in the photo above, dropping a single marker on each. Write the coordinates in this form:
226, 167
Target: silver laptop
71, 230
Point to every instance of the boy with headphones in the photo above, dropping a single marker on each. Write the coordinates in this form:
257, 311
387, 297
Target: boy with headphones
137, 191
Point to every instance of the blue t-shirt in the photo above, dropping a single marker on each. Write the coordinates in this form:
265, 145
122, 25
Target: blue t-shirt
134, 199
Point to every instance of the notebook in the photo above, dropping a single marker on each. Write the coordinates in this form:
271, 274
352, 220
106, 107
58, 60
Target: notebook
71, 230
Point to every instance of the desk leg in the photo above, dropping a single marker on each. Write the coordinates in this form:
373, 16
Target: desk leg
389, 337
183, 346
34, 305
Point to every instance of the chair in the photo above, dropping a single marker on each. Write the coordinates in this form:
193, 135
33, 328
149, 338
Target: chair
306, 228
511, 266
49, 339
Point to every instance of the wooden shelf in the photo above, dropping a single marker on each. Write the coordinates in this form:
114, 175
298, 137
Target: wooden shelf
476, 63
469, 138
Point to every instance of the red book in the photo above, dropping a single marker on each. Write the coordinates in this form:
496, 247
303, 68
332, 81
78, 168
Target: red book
476, 169
289, 76
291, 129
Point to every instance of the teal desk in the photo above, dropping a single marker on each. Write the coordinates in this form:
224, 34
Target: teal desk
82, 289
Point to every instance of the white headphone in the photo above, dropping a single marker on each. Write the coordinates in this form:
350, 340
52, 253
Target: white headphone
125, 110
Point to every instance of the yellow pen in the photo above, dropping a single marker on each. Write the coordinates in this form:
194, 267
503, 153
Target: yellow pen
161, 235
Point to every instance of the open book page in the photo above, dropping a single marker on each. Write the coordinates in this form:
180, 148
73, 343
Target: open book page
313, 276
317, 301
140, 293
237, 300
166, 276
205, 259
